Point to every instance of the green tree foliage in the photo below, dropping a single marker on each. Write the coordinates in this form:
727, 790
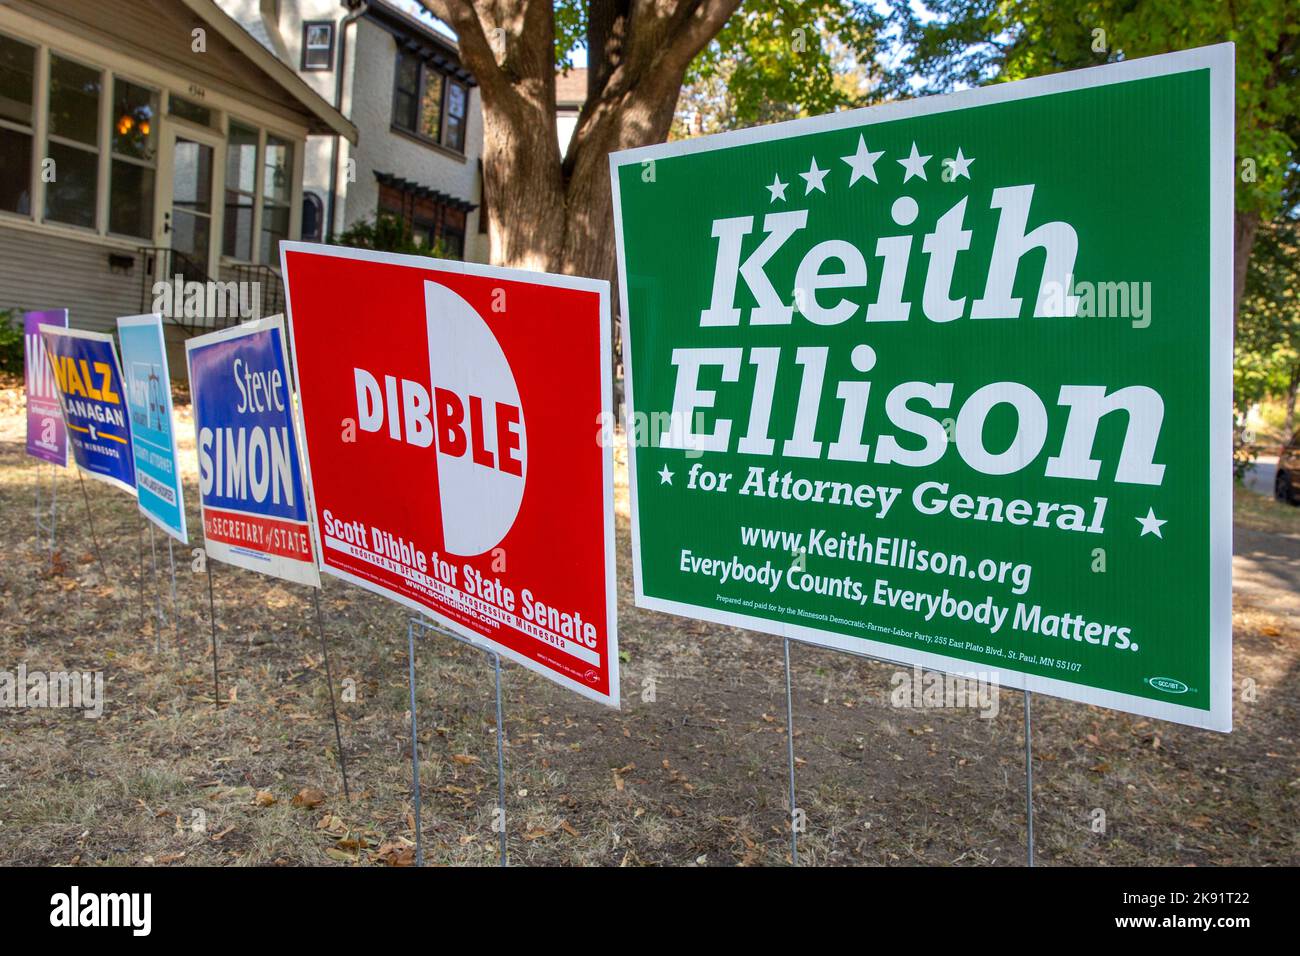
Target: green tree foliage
11, 342
956, 43
1268, 337
781, 59
387, 233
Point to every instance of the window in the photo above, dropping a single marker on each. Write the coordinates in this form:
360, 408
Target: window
429, 104
17, 86
258, 210
318, 45
406, 94
186, 110
134, 158
241, 192
313, 217
277, 189
429, 217
482, 201
453, 136
71, 195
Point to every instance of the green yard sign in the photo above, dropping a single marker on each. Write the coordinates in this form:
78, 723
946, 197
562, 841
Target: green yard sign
948, 382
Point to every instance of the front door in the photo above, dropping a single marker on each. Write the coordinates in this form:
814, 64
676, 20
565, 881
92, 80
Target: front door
188, 225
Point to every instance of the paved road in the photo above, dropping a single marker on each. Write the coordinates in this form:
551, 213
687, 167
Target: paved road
1266, 570
1260, 478
1265, 564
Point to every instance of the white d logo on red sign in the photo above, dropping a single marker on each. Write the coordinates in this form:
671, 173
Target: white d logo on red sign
482, 444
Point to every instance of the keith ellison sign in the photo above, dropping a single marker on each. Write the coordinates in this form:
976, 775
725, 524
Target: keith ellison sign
948, 382
450, 417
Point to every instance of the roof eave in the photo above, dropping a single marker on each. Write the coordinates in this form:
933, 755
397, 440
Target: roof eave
329, 119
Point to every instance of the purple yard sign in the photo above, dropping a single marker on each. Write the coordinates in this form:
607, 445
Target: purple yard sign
46, 438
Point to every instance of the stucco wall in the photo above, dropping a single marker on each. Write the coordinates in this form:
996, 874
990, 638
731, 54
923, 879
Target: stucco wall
381, 149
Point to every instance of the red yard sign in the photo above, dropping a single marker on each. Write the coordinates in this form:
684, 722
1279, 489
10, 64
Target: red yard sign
451, 419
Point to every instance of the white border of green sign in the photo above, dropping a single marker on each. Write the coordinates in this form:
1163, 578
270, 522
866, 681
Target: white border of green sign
1220, 61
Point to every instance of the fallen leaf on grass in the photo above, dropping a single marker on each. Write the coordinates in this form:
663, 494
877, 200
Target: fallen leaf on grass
264, 798
394, 854
569, 828
464, 759
332, 823
308, 798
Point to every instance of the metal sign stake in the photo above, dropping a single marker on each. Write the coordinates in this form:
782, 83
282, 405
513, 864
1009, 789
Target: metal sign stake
139, 553
501, 763
329, 678
499, 821
157, 596
789, 742
1029, 779
212, 617
171, 563
90, 520
45, 524
415, 752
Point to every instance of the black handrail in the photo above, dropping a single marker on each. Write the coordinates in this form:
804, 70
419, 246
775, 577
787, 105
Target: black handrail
244, 292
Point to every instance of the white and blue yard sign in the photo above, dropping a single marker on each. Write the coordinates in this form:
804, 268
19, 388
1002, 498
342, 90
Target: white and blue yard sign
153, 437
251, 488
89, 381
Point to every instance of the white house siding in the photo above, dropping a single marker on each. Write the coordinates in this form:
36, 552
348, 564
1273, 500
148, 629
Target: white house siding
379, 149
371, 62
50, 271
49, 265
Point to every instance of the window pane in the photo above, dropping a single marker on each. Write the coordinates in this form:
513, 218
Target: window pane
17, 67
453, 245
318, 46
237, 238
190, 235
130, 197
275, 227
71, 196
278, 181
135, 111
455, 116
192, 176
431, 106
74, 101
404, 109
408, 75
313, 217
16, 161
190, 111
241, 159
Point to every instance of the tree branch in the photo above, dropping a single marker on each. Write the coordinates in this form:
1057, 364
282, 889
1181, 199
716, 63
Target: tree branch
475, 50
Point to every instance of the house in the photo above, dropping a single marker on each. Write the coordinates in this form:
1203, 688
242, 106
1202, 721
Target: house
141, 140
570, 94
395, 72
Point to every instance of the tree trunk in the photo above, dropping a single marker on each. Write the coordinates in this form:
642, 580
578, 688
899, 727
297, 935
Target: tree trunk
1288, 425
1245, 228
555, 214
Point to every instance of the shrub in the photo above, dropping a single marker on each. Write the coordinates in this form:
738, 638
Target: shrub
11, 342
387, 233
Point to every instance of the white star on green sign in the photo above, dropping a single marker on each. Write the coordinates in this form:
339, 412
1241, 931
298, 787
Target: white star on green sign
1151, 524
863, 163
